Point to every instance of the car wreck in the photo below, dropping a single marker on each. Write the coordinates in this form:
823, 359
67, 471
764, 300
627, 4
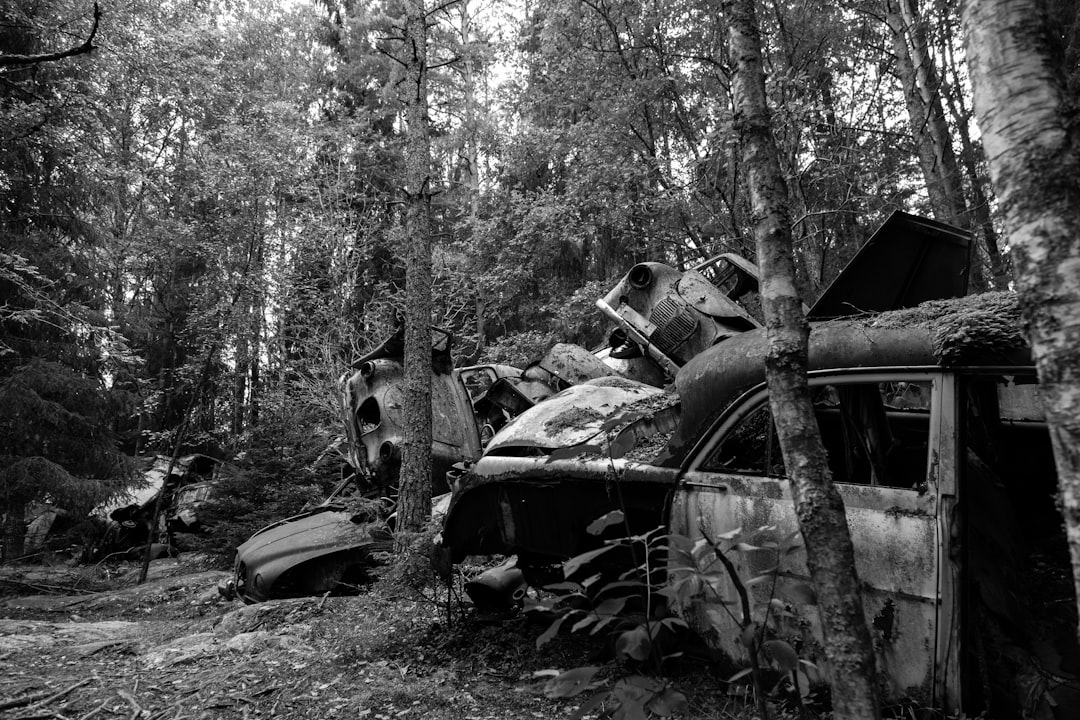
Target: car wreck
129, 519
670, 317
939, 447
662, 317
330, 548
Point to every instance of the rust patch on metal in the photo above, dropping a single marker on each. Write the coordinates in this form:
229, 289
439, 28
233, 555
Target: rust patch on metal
884, 621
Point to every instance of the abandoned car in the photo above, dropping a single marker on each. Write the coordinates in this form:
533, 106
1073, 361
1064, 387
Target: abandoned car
329, 547
663, 317
939, 447
128, 518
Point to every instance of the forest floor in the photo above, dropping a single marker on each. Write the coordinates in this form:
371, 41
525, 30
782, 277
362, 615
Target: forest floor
91, 643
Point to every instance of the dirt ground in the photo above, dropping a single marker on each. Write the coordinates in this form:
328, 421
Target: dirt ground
78, 642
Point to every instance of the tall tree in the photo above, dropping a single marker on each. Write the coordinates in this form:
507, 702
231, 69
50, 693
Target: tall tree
414, 485
818, 505
1028, 128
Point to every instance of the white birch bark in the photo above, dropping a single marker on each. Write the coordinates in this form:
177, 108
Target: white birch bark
1032, 149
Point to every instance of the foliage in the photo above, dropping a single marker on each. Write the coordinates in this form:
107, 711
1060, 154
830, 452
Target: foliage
57, 444
673, 570
701, 570
283, 469
420, 568
624, 606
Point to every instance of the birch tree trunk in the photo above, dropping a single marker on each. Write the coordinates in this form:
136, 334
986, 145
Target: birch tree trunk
414, 485
1031, 147
818, 505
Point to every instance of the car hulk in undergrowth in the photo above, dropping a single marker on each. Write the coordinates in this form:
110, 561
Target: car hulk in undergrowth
662, 317
539, 513
938, 444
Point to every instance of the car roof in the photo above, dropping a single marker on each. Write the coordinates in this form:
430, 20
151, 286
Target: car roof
976, 330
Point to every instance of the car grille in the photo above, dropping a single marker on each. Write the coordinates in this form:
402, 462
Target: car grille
674, 324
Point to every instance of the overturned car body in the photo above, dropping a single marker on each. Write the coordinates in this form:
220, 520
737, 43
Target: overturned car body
327, 549
939, 447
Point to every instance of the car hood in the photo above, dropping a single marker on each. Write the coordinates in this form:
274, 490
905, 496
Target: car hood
574, 416
304, 536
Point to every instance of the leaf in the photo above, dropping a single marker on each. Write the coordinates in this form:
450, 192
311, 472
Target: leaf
768, 572
746, 547
631, 699
584, 623
605, 521
551, 631
573, 564
730, 534
570, 683
636, 585
673, 623
758, 580
630, 709
633, 643
669, 702
782, 654
611, 606
740, 675
804, 683
748, 635
572, 586
680, 542
588, 582
589, 705
643, 682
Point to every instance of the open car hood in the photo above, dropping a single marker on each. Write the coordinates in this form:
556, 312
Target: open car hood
907, 261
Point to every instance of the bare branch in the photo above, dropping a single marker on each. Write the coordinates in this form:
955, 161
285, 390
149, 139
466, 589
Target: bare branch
87, 46
440, 8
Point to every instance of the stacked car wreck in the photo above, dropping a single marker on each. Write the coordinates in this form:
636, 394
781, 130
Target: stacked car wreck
938, 445
930, 415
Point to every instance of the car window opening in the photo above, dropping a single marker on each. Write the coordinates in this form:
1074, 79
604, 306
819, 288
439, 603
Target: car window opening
873, 433
368, 416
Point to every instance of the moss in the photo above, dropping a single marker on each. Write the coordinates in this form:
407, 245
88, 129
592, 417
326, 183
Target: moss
982, 326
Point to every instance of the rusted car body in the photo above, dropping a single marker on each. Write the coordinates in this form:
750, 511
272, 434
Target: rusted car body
664, 317
325, 549
373, 403
939, 447
516, 505
130, 516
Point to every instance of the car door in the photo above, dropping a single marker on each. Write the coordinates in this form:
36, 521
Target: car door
887, 434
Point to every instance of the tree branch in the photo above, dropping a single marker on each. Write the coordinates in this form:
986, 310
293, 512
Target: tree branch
87, 46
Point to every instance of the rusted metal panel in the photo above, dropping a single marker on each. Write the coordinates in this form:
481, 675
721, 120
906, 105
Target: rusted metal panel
908, 260
673, 315
373, 404
895, 537
572, 417
541, 507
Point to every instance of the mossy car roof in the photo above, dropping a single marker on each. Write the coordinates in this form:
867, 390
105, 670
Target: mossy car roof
984, 329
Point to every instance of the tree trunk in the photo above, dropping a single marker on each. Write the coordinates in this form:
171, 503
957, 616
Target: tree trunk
929, 129
1031, 148
820, 510
414, 489
14, 529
